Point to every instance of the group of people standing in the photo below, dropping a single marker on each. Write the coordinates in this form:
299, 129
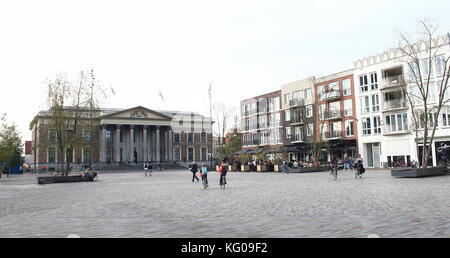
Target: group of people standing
223, 169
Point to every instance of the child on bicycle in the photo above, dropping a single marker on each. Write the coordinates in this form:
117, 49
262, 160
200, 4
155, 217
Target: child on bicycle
223, 173
204, 174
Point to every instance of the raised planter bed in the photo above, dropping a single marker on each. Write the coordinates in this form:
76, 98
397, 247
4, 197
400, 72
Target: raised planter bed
245, 168
261, 168
63, 179
276, 168
419, 172
232, 168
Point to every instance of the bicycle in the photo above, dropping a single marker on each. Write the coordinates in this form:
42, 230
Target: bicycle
223, 182
334, 171
205, 183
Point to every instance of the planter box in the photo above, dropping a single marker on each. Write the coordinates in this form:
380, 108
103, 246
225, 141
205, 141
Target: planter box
232, 168
245, 168
419, 172
63, 179
276, 168
261, 168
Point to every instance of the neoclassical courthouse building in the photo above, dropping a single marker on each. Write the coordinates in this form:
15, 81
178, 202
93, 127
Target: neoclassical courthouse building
134, 135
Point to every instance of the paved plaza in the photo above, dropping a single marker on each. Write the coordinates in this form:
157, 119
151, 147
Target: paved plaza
257, 205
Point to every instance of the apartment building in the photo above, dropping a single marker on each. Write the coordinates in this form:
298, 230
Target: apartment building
386, 131
262, 124
298, 108
336, 121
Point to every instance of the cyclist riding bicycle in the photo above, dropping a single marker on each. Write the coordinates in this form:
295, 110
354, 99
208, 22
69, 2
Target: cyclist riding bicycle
204, 173
334, 164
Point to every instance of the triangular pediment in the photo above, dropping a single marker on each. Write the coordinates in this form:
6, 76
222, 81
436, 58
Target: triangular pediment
138, 112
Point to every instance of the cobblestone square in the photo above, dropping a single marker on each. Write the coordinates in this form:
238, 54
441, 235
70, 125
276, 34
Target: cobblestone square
257, 205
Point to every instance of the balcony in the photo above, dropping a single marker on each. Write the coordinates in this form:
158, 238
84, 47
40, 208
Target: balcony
297, 139
395, 104
333, 135
296, 103
297, 121
387, 130
392, 81
331, 95
333, 115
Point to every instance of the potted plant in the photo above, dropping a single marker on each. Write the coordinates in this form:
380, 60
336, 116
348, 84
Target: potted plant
244, 159
262, 167
277, 164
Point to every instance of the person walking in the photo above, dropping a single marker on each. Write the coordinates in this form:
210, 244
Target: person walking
223, 173
145, 168
150, 167
194, 170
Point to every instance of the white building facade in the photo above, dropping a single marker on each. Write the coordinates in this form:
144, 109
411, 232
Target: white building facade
386, 133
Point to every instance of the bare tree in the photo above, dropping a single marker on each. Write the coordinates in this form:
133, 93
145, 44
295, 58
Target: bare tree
223, 115
68, 103
420, 55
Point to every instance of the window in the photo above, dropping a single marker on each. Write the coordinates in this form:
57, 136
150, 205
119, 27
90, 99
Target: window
275, 137
363, 84
51, 155
375, 103
373, 81
365, 105
376, 125
427, 68
262, 121
432, 92
367, 129
346, 87
322, 111
298, 134
190, 137
296, 116
203, 137
204, 154
349, 129
276, 104
334, 109
52, 136
109, 155
287, 99
190, 154
287, 115
121, 136
396, 123
445, 118
321, 92
323, 130
87, 136
348, 107
440, 65
308, 94
262, 106
177, 154
176, 137
86, 155
288, 133
109, 136
296, 95
413, 71
309, 111
310, 130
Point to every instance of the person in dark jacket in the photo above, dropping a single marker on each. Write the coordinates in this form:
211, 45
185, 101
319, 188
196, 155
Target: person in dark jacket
194, 170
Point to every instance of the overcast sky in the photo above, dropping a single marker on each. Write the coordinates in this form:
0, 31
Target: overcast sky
244, 48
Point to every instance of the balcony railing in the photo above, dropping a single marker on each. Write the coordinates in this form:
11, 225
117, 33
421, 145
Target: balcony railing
296, 102
395, 104
387, 130
392, 81
295, 139
333, 135
331, 95
332, 114
296, 120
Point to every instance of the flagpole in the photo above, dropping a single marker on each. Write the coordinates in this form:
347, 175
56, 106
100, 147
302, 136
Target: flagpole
211, 122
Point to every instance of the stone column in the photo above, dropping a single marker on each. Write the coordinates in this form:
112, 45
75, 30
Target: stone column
103, 145
166, 145
170, 145
158, 145
131, 151
144, 149
117, 145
